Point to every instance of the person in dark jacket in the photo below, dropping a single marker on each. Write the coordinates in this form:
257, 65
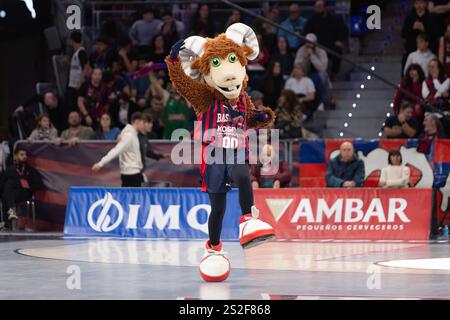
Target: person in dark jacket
146, 150
346, 170
18, 183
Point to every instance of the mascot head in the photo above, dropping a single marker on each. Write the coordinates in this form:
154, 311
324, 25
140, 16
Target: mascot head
220, 62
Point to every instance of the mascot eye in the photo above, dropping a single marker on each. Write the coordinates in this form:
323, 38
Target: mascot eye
215, 62
232, 58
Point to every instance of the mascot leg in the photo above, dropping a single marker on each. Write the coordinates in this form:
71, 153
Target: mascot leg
215, 266
252, 231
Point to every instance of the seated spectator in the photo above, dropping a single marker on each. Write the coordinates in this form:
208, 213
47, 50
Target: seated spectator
331, 32
402, 125
284, 57
273, 84
44, 130
444, 50
422, 56
395, 175
257, 67
235, 17
142, 31
158, 49
103, 56
346, 170
303, 87
76, 131
176, 115
122, 111
202, 22
270, 172
439, 10
54, 106
295, 23
432, 129
417, 21
289, 118
105, 130
435, 89
411, 82
171, 29
315, 64
18, 183
268, 31
93, 98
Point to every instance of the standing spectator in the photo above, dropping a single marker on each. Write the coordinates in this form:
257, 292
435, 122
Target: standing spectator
171, 29
435, 89
129, 153
315, 63
19, 182
295, 23
79, 69
104, 56
418, 21
289, 118
44, 130
422, 56
158, 49
267, 175
411, 82
331, 32
395, 175
303, 87
105, 130
76, 131
127, 58
273, 84
144, 145
439, 10
142, 31
284, 56
93, 98
202, 22
176, 115
122, 110
444, 49
346, 170
54, 106
402, 125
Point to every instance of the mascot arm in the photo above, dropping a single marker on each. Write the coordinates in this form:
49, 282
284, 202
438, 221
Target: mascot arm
193, 91
259, 119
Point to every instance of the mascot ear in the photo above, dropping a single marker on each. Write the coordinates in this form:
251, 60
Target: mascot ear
193, 48
244, 36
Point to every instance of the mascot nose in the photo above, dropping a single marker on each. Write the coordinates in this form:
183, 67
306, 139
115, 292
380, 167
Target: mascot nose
230, 78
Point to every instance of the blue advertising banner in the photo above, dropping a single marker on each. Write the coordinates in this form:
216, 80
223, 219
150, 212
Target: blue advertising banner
146, 213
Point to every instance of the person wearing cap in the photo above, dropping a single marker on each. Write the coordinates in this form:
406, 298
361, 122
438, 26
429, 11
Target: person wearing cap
315, 64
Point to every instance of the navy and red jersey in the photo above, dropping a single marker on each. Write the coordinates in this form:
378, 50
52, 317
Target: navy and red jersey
223, 125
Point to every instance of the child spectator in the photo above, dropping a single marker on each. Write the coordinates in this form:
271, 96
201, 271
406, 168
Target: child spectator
422, 56
44, 130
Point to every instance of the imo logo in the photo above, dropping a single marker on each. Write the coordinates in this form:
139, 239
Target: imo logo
103, 222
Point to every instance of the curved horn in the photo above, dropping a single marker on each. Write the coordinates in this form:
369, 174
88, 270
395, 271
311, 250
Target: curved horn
243, 35
193, 48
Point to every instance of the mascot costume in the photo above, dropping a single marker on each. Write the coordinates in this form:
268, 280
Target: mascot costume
211, 75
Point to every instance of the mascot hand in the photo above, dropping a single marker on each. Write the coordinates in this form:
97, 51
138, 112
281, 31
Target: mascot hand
261, 117
176, 48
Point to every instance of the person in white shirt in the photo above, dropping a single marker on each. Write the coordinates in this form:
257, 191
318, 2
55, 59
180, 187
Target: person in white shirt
422, 56
395, 175
303, 87
437, 86
129, 153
